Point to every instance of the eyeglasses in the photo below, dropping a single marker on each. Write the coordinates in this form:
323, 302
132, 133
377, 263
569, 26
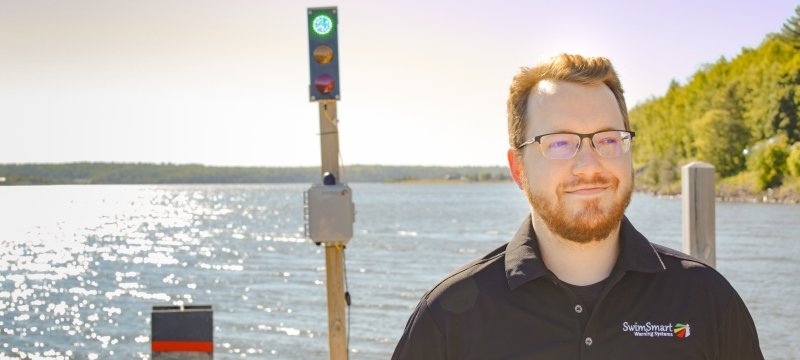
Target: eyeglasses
564, 146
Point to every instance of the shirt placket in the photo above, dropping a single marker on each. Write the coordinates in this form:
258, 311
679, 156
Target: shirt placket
591, 349
586, 328
581, 315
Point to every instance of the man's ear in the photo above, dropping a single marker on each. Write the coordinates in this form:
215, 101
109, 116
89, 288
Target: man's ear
515, 166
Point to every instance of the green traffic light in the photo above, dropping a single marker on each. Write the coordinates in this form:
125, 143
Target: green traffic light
322, 24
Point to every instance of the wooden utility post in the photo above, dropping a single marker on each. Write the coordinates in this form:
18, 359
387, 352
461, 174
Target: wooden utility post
334, 257
697, 196
330, 211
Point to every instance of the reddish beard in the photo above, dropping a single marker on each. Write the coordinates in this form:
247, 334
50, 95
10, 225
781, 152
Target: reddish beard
590, 223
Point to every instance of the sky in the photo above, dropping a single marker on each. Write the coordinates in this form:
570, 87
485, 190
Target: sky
225, 83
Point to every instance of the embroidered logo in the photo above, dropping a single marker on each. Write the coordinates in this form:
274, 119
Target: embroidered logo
682, 330
649, 329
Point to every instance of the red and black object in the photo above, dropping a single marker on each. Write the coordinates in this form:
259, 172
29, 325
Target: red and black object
182, 329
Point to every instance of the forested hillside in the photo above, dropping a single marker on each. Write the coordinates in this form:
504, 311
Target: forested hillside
115, 173
741, 115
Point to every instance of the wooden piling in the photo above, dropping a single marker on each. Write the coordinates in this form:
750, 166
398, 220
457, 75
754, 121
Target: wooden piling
334, 253
337, 323
699, 218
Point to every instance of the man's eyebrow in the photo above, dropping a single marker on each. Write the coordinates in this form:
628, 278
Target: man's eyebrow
607, 128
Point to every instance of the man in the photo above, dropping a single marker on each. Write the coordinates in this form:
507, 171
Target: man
578, 281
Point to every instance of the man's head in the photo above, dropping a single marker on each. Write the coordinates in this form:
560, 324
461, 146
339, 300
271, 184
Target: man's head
580, 198
569, 68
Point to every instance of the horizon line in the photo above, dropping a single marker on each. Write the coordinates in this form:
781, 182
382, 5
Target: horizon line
229, 166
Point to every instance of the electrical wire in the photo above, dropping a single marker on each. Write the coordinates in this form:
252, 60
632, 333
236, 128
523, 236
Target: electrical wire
328, 116
341, 167
335, 124
346, 297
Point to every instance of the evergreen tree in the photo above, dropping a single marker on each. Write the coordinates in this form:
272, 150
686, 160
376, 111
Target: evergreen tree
791, 28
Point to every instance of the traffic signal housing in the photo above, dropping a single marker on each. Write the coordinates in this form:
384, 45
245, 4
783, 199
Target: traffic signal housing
323, 53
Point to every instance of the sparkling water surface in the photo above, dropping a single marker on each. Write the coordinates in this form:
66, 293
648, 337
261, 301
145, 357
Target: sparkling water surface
82, 266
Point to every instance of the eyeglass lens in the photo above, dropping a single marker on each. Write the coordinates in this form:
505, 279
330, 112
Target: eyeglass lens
565, 146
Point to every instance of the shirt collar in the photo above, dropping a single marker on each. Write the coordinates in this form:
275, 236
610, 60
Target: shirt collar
524, 263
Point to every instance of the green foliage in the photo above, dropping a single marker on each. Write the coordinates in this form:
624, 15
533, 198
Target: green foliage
793, 161
768, 161
719, 139
723, 108
787, 116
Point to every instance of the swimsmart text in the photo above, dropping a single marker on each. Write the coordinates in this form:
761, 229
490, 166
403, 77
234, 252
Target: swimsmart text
649, 329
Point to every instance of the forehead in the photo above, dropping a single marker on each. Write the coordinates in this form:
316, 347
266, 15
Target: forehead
555, 106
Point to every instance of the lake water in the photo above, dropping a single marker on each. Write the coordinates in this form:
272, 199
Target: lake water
82, 266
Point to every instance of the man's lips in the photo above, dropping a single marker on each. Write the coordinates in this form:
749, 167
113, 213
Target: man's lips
587, 190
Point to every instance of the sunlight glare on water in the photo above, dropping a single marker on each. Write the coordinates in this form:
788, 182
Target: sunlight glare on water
76, 260
82, 266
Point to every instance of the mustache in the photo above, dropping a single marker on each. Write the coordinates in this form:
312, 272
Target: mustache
595, 181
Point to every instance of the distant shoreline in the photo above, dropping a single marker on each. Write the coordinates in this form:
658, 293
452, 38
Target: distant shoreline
122, 173
770, 196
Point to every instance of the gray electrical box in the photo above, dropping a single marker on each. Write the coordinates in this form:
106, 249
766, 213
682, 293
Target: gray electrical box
329, 213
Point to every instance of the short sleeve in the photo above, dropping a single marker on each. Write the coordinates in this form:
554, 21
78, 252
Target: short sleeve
422, 338
739, 339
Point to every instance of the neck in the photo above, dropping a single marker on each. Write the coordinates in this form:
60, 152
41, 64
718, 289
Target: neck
576, 263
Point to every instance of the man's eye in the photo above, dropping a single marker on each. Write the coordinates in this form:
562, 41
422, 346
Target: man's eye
608, 141
559, 144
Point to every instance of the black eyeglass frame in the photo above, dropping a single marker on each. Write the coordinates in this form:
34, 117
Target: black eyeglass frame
590, 136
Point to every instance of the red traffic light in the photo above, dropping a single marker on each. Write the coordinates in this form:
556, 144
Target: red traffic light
324, 83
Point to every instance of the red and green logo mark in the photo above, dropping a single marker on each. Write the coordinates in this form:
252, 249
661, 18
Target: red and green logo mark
682, 330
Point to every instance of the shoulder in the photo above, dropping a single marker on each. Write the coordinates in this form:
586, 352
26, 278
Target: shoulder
693, 272
459, 290
718, 300
671, 255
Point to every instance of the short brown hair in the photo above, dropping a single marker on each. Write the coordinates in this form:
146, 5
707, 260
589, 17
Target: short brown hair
565, 67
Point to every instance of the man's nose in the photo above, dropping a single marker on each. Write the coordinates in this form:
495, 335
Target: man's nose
587, 161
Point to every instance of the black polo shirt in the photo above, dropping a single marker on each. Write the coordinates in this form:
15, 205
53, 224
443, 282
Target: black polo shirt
656, 304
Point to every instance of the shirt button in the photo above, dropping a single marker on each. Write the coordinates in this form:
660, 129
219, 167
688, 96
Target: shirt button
578, 309
588, 341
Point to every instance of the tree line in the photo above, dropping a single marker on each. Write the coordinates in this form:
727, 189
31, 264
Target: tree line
742, 115
142, 173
